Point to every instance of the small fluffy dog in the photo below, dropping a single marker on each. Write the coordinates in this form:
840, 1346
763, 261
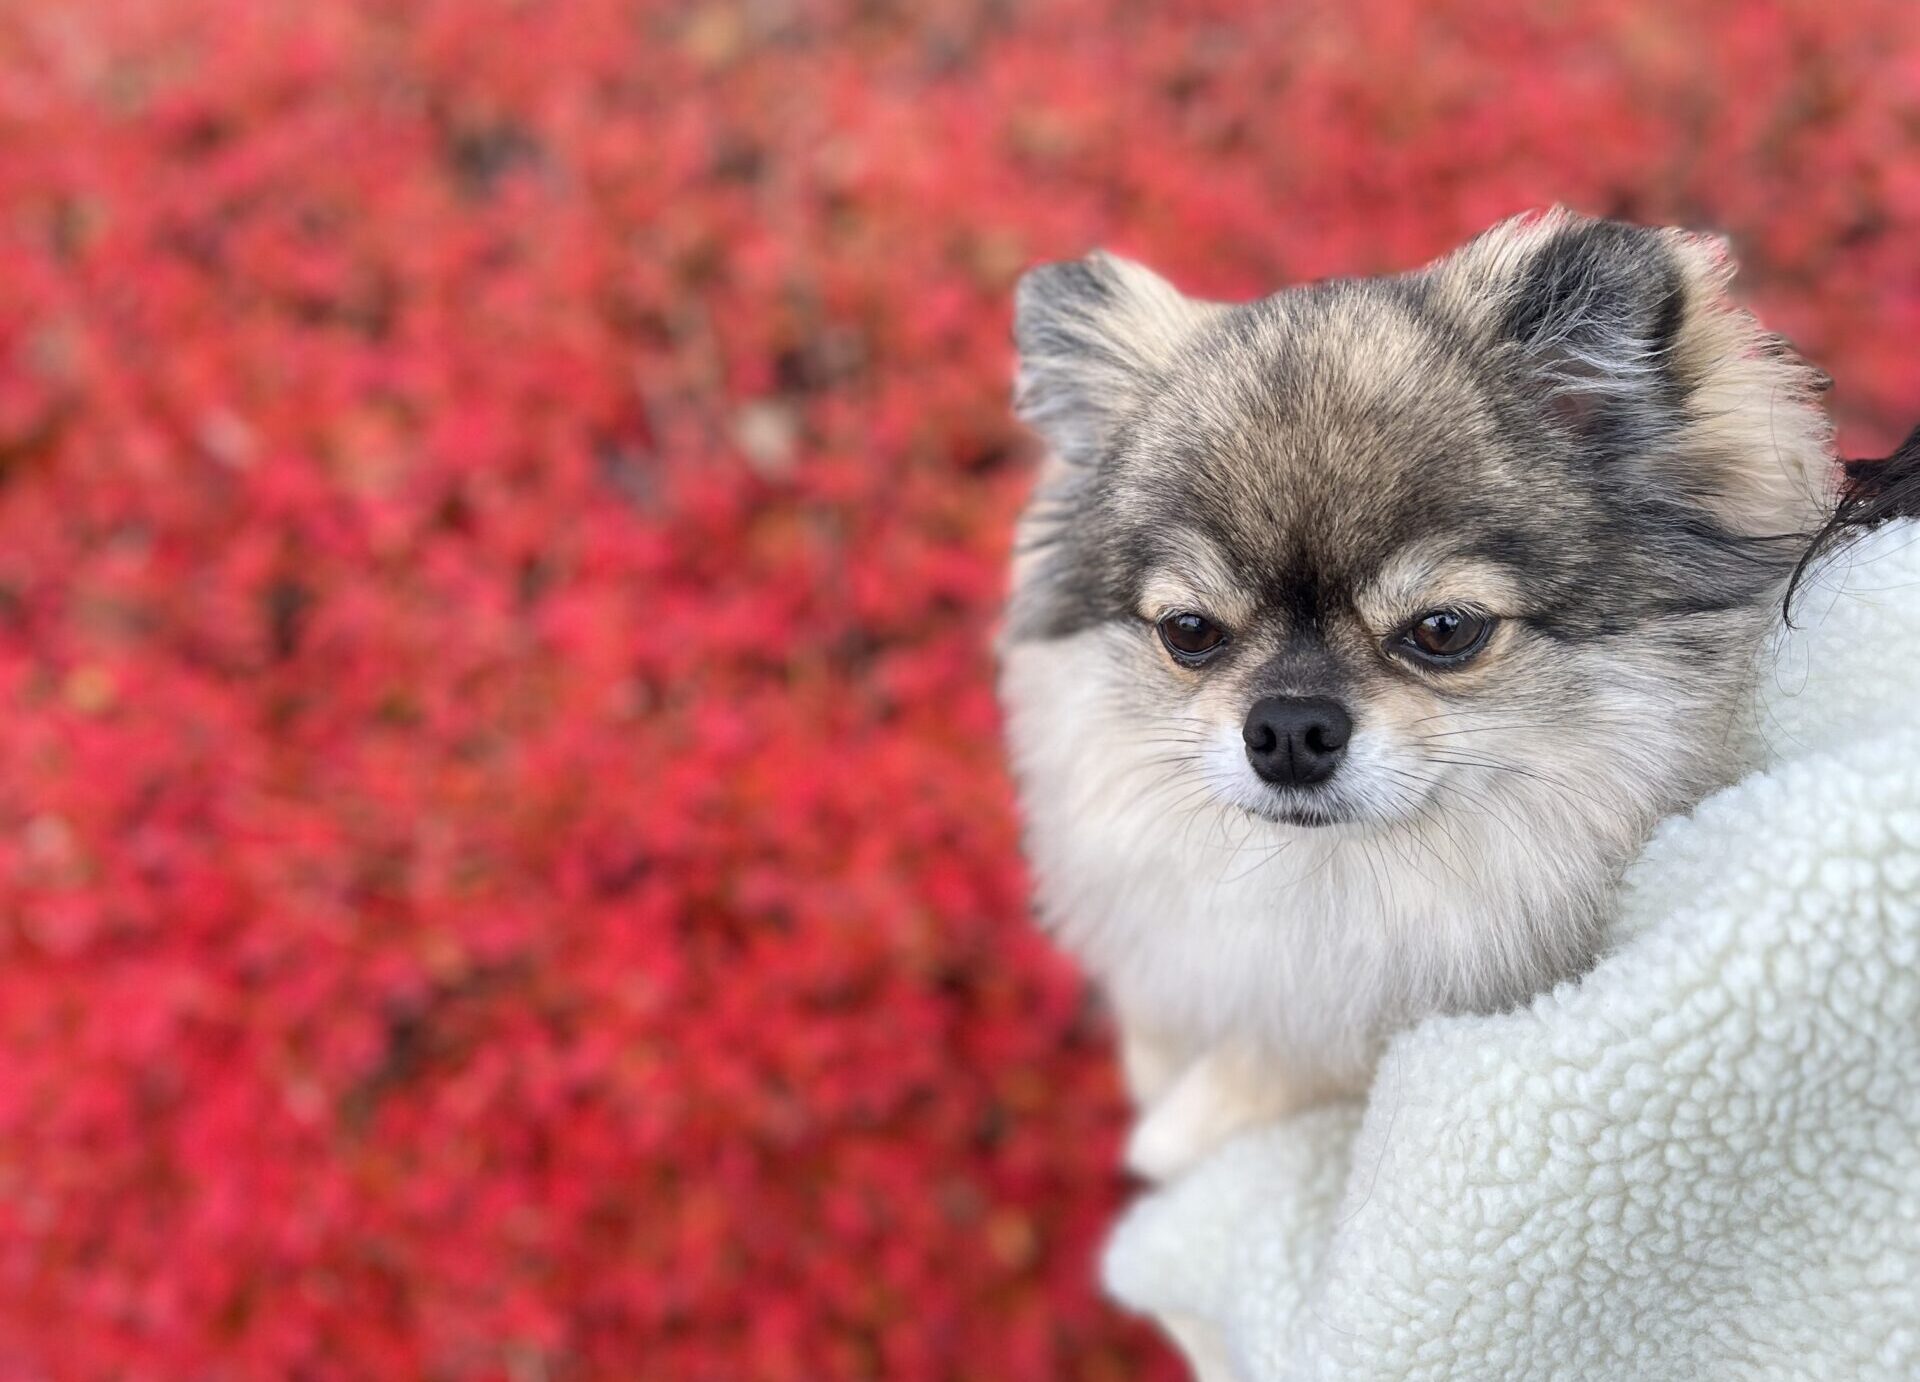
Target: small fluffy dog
1360, 634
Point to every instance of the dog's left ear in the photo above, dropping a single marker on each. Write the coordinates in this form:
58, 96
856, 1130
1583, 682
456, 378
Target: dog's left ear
1597, 313
1627, 338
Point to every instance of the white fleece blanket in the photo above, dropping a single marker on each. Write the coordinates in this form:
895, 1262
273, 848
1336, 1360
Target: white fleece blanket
1700, 1161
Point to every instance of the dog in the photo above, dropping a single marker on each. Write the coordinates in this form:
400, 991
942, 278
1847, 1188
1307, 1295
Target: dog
1359, 635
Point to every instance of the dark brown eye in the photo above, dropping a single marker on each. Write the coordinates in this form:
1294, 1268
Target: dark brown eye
1448, 635
1191, 637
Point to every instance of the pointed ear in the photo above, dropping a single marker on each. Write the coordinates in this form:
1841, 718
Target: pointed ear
1627, 337
1597, 314
1092, 333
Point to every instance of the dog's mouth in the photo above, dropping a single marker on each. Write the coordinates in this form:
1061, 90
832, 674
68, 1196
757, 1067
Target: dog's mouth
1364, 797
1277, 813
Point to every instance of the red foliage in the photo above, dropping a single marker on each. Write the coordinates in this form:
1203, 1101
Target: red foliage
501, 510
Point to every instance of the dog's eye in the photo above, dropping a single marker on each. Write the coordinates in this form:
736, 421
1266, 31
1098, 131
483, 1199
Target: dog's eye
1190, 637
1447, 635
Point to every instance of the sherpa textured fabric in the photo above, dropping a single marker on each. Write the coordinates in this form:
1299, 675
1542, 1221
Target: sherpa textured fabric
1700, 1161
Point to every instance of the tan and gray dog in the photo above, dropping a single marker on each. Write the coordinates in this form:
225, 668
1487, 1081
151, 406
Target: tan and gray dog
1360, 634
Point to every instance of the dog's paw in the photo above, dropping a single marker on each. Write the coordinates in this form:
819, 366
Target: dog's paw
1222, 1094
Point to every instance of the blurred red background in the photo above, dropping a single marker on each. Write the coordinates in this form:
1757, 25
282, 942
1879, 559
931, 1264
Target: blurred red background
502, 507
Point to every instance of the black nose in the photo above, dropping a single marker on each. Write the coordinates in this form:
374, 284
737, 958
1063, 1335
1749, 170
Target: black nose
1295, 741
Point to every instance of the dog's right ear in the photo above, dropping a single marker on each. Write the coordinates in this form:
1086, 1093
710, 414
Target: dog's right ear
1092, 334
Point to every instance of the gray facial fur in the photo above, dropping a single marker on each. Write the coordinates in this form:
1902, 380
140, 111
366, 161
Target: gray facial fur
1314, 433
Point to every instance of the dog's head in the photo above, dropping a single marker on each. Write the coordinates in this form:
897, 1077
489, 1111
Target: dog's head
1499, 536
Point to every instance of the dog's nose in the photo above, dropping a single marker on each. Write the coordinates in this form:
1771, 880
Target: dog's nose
1296, 741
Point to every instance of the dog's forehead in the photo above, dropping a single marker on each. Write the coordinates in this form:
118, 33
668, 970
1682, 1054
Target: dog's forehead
1320, 431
